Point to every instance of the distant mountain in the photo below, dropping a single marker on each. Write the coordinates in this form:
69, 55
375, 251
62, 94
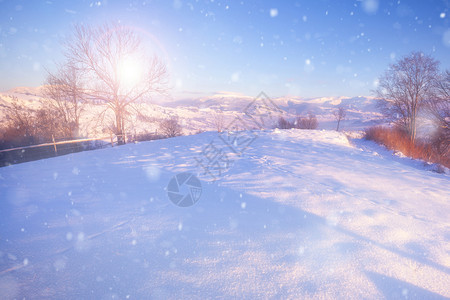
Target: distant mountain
361, 111
198, 113
29, 91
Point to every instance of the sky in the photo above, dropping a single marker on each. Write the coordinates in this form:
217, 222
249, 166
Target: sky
284, 48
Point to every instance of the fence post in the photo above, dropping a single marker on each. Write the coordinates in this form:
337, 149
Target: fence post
112, 141
54, 145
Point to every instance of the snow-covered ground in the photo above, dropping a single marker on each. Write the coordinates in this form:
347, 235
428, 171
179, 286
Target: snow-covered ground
300, 214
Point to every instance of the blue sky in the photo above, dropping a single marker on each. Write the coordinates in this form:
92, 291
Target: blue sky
285, 48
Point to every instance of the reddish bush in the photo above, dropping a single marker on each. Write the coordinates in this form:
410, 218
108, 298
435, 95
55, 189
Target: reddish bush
399, 140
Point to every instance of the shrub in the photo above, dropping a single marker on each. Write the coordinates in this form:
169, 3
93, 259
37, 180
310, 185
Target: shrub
282, 123
15, 136
147, 136
170, 127
440, 142
309, 122
25, 126
397, 139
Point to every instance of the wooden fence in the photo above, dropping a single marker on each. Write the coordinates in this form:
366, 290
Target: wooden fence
47, 150
34, 152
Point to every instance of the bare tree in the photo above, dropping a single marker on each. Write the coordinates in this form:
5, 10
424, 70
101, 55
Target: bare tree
48, 125
282, 123
439, 107
339, 115
443, 85
405, 86
309, 122
20, 123
26, 126
219, 121
65, 95
439, 104
115, 68
170, 127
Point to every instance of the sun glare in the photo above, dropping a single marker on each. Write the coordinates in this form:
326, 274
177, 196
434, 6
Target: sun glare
130, 72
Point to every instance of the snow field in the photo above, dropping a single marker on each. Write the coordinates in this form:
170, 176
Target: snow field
301, 214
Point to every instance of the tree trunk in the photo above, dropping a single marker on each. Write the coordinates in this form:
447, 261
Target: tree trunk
119, 128
413, 121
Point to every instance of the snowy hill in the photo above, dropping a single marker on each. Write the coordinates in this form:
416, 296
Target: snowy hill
197, 114
23, 90
300, 214
361, 111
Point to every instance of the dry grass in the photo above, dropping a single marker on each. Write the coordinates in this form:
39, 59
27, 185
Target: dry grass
398, 140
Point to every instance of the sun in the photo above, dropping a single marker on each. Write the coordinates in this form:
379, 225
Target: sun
130, 72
